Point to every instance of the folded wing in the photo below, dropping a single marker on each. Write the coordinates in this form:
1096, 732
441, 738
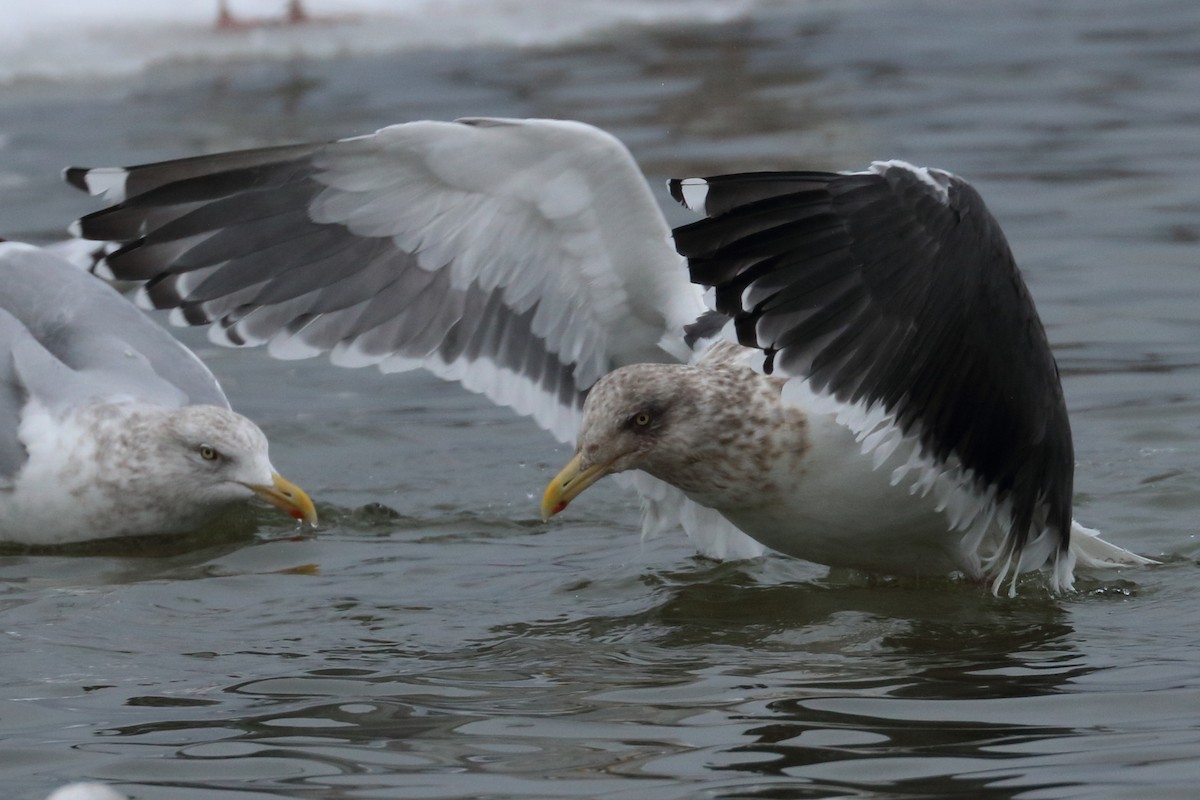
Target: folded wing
66, 338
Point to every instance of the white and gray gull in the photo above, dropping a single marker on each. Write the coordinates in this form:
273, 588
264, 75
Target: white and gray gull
109, 427
872, 387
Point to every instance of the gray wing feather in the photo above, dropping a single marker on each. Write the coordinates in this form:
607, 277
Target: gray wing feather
524, 258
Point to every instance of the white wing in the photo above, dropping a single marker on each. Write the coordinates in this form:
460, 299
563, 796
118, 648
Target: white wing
666, 509
523, 258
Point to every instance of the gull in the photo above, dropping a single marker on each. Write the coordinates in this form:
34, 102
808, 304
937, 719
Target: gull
109, 427
294, 14
871, 387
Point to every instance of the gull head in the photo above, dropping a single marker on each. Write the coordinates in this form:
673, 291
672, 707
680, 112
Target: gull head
115, 469
659, 418
212, 456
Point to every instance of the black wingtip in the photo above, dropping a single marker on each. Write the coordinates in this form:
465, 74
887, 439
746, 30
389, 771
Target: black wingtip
706, 326
691, 193
77, 177
675, 187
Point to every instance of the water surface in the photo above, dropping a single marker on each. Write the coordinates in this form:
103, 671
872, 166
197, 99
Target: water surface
435, 640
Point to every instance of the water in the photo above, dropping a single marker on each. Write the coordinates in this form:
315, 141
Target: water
435, 640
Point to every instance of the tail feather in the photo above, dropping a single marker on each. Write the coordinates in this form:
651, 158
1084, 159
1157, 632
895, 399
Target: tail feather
1092, 551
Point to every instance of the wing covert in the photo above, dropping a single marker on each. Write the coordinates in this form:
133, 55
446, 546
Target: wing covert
524, 258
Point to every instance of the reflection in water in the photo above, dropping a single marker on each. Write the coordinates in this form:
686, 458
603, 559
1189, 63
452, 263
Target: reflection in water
698, 680
922, 714
622, 695
939, 656
235, 527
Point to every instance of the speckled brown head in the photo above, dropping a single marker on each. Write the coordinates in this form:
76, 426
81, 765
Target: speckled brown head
682, 424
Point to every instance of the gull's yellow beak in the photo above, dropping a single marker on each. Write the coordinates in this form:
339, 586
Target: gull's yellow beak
288, 496
568, 484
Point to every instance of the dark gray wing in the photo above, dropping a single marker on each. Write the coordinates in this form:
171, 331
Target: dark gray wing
523, 258
897, 287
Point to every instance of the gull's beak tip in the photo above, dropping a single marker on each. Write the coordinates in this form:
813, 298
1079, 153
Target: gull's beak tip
552, 501
289, 498
551, 507
568, 483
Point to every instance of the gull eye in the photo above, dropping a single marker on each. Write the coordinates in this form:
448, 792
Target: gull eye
208, 452
641, 419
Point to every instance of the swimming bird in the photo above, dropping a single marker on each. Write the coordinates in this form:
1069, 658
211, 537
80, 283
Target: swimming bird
871, 389
109, 427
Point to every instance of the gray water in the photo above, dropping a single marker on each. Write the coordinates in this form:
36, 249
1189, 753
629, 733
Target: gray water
435, 640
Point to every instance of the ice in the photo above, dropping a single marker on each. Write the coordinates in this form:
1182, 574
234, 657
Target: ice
65, 40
